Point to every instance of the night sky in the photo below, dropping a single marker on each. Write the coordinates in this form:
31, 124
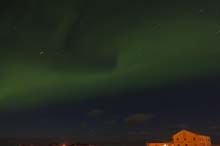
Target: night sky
109, 70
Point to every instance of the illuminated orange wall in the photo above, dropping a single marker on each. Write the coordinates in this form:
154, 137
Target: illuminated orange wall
160, 144
204, 141
187, 138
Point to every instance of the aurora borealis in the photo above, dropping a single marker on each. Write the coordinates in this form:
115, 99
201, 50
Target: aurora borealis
141, 50
72, 51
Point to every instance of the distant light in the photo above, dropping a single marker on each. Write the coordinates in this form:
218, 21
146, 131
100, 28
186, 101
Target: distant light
63, 144
165, 145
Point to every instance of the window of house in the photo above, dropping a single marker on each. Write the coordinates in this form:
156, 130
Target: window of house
186, 144
194, 138
184, 138
177, 139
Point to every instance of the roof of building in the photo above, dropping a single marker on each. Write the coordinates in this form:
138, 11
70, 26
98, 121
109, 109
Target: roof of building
184, 130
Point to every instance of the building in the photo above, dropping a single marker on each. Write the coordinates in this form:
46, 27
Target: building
185, 138
160, 144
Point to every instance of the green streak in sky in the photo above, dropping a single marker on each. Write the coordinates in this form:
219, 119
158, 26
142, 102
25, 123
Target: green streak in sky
150, 52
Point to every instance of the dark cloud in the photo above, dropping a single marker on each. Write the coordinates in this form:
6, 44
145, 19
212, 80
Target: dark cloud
110, 123
183, 126
139, 119
215, 128
95, 112
84, 124
138, 133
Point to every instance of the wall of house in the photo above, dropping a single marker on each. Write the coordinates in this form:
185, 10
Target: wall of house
204, 140
160, 144
185, 138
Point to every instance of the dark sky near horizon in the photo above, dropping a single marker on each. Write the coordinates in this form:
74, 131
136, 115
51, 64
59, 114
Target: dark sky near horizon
104, 69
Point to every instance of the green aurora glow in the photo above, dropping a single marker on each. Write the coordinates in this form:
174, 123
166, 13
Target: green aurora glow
149, 52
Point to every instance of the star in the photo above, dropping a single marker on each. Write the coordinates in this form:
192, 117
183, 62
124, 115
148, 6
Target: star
42, 52
201, 11
157, 26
